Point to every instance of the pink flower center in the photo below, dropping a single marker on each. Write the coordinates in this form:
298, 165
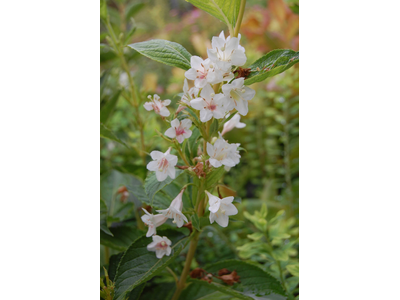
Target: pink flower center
162, 245
163, 164
179, 130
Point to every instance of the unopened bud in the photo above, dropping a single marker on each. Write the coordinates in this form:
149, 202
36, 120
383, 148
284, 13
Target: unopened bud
180, 108
149, 97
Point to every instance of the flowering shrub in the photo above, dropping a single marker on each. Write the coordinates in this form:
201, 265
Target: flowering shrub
198, 155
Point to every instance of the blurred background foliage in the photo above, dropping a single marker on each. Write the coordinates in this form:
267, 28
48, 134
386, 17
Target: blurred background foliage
267, 178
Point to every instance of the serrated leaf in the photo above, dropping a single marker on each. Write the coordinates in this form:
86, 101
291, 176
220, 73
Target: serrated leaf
139, 265
254, 282
226, 11
113, 265
159, 201
108, 134
108, 108
152, 185
271, 64
169, 53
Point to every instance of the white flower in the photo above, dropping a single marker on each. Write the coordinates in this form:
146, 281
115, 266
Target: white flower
163, 163
221, 209
203, 72
160, 107
179, 130
223, 153
232, 123
174, 211
189, 94
160, 245
238, 95
152, 221
226, 52
209, 104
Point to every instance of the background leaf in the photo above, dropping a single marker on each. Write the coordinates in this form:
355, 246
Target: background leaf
123, 235
226, 11
271, 64
152, 185
139, 265
169, 53
107, 109
254, 282
108, 134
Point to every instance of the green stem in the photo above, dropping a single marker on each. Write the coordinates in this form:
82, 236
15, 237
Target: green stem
177, 147
173, 275
240, 17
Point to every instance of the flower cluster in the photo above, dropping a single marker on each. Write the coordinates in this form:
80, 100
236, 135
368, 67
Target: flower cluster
216, 95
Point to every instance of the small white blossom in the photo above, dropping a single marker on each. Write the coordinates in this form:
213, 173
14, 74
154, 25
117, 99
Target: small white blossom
179, 130
189, 94
226, 52
152, 221
238, 95
232, 123
223, 153
174, 211
221, 209
209, 104
163, 164
160, 107
160, 245
203, 72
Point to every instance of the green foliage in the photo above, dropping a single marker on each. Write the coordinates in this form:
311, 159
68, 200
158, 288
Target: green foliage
166, 52
226, 11
139, 265
123, 234
152, 185
133, 10
271, 64
108, 134
254, 281
214, 177
198, 289
107, 109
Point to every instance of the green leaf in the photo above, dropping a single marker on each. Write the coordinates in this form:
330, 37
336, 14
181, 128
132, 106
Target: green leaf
169, 53
136, 292
113, 265
293, 269
196, 222
103, 218
123, 235
226, 11
199, 289
152, 185
193, 142
107, 109
254, 282
271, 64
213, 128
138, 265
214, 177
255, 236
159, 201
134, 169
108, 134
133, 10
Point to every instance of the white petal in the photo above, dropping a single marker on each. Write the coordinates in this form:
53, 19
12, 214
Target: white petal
212, 55
205, 115
212, 217
185, 86
198, 103
160, 253
228, 162
150, 247
195, 62
215, 163
210, 149
168, 251
200, 83
230, 209
232, 45
248, 94
151, 231
240, 125
171, 133
152, 166
171, 172
161, 176
222, 220
186, 123
156, 155
238, 58
191, 74
148, 106
164, 112
166, 102
180, 138
206, 92
172, 159
187, 134
175, 123
242, 107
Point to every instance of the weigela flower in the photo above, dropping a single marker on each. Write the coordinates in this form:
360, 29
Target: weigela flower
189, 94
152, 221
160, 107
226, 52
221, 209
163, 164
209, 104
232, 123
223, 153
160, 245
203, 72
174, 211
238, 95
179, 130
